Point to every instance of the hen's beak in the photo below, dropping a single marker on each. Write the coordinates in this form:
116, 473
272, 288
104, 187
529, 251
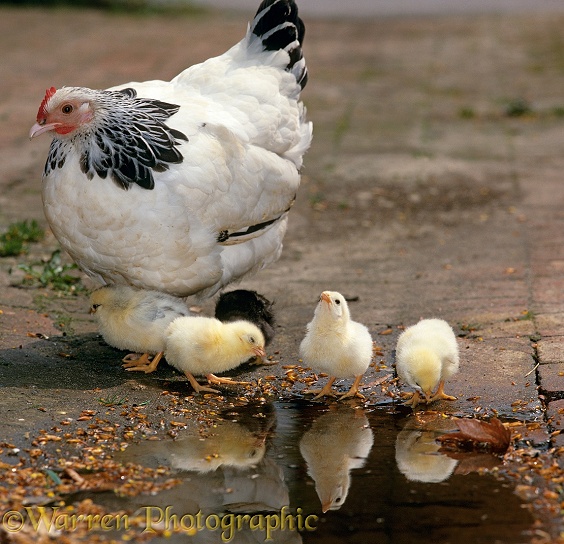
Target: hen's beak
38, 129
325, 297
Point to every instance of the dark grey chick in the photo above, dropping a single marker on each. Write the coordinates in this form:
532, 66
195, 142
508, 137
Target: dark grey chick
250, 306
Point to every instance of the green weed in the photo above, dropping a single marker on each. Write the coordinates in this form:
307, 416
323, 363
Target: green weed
53, 274
16, 239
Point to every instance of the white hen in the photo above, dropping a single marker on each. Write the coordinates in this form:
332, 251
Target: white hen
336, 344
182, 186
135, 319
205, 345
426, 356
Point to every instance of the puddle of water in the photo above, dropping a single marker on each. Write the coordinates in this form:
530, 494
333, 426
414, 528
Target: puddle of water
333, 474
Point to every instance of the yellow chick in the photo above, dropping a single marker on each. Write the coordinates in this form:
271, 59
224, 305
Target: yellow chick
336, 443
426, 356
135, 319
336, 345
205, 345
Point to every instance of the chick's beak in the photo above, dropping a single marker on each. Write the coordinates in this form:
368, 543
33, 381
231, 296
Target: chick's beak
325, 297
40, 128
259, 352
92, 310
260, 442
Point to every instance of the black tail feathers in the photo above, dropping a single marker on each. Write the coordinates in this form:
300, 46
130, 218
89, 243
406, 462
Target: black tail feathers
278, 26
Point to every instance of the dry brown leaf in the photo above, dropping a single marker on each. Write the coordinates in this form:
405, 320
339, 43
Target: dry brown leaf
478, 435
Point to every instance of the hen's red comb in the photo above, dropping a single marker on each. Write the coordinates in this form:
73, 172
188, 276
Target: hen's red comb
42, 113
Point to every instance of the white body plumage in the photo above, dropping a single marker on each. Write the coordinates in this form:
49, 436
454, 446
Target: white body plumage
334, 343
219, 209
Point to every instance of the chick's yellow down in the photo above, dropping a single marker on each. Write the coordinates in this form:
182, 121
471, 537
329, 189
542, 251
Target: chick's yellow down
204, 346
336, 344
426, 356
135, 319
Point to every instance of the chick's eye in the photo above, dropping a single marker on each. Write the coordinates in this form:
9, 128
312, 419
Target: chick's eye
252, 339
67, 108
337, 301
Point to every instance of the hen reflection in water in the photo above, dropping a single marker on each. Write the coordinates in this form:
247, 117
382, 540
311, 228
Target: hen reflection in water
337, 442
418, 457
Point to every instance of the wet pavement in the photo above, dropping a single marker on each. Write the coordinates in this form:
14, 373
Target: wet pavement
433, 189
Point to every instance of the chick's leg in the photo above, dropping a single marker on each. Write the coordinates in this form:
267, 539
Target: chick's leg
197, 387
212, 378
143, 364
440, 394
414, 400
326, 391
353, 391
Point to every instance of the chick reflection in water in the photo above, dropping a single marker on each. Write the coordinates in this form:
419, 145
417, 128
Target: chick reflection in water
418, 457
229, 444
222, 469
336, 443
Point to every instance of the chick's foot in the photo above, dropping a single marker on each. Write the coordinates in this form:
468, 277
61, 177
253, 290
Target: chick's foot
414, 400
326, 391
440, 394
353, 391
197, 387
213, 379
142, 364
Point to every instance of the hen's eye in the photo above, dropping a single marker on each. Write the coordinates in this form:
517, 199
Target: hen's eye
67, 108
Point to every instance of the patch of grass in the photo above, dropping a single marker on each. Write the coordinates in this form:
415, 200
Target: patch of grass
112, 400
15, 240
527, 315
317, 201
466, 113
343, 125
53, 274
518, 108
